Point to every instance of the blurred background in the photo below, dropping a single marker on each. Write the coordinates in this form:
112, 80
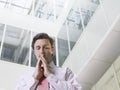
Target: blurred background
86, 35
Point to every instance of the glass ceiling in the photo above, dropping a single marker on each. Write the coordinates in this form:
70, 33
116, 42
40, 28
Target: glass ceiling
78, 16
47, 9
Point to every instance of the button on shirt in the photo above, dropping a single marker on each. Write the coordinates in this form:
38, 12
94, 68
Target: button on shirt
60, 79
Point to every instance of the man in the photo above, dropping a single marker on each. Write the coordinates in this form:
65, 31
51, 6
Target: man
46, 75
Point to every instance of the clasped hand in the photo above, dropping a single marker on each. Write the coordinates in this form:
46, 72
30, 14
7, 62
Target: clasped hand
42, 69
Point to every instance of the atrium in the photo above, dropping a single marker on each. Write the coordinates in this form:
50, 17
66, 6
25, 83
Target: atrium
86, 35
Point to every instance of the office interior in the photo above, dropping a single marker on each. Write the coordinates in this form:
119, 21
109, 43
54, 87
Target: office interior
86, 35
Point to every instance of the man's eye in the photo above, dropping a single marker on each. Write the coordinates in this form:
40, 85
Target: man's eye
37, 48
46, 47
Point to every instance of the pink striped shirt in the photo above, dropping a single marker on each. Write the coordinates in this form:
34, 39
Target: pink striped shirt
60, 79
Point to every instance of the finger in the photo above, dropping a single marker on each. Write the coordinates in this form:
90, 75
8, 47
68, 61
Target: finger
39, 62
43, 61
39, 65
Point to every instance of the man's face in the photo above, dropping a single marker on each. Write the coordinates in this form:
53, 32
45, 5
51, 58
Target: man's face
42, 47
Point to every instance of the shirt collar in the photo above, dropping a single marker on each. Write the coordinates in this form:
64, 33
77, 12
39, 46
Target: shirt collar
51, 64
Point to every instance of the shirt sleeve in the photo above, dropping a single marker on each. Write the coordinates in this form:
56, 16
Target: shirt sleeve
70, 82
26, 83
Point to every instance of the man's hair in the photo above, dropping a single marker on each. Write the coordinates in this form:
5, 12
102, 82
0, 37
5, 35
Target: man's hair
42, 36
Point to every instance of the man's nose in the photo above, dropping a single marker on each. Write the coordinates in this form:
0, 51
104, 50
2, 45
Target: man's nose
41, 50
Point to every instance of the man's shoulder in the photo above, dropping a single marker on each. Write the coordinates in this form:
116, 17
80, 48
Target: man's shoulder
63, 69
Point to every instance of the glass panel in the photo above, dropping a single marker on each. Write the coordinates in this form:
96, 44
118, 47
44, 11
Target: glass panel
54, 54
74, 20
16, 45
63, 49
59, 5
88, 7
18, 6
33, 59
2, 3
1, 33
44, 9
49, 10
74, 24
74, 36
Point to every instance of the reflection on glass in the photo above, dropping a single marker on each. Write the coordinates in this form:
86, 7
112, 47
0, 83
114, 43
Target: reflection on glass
74, 20
16, 45
88, 7
59, 5
2, 4
33, 59
44, 9
1, 34
20, 6
63, 49
74, 25
47, 9
73, 36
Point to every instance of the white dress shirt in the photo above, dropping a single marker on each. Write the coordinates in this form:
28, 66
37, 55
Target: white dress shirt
60, 79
